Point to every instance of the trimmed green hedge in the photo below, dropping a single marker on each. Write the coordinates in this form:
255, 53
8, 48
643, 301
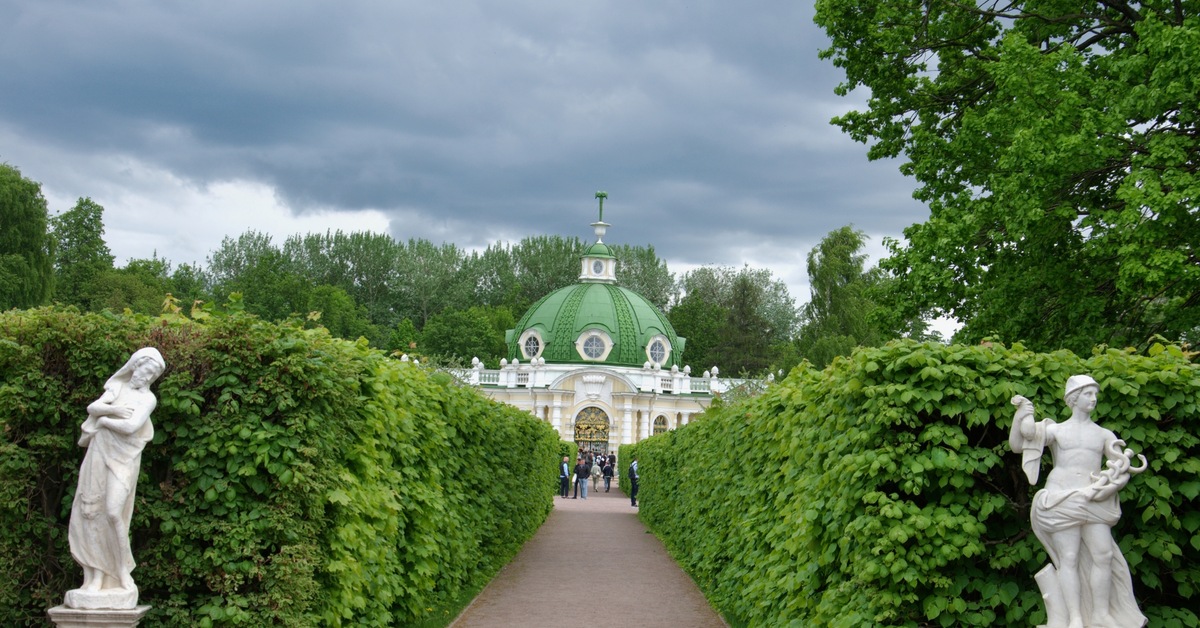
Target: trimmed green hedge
881, 491
294, 478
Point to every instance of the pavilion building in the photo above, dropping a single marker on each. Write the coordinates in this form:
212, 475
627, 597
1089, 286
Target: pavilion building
600, 363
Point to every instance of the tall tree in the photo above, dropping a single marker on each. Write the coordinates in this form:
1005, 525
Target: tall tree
81, 255
430, 280
268, 281
234, 258
734, 319
544, 264
838, 315
361, 263
492, 274
1057, 145
741, 348
641, 270
26, 248
460, 335
699, 320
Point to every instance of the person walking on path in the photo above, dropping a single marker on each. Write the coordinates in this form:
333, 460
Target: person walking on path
581, 478
608, 475
633, 482
564, 478
596, 471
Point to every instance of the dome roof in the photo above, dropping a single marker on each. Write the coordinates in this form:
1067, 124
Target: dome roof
596, 323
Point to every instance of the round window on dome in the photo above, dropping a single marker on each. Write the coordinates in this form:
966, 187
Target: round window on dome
597, 267
658, 350
531, 344
593, 345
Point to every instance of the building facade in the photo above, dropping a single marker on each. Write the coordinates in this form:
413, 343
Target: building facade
598, 362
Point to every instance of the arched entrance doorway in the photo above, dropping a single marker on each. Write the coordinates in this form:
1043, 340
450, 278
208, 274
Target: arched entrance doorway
591, 430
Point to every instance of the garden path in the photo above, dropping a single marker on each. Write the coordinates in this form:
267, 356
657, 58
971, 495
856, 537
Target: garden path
591, 563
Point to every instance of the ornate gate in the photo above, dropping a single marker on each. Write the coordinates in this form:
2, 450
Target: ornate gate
591, 430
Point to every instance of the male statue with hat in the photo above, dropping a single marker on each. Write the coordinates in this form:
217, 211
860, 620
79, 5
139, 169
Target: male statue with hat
1088, 583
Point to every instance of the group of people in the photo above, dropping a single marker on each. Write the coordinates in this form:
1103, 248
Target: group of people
587, 467
593, 467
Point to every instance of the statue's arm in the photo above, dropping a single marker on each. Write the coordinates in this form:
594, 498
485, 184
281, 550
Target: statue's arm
1028, 438
103, 407
138, 416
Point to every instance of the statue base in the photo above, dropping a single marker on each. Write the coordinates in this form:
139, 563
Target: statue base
1056, 607
104, 599
64, 617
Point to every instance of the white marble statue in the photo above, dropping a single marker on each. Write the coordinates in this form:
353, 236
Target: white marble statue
1087, 584
115, 432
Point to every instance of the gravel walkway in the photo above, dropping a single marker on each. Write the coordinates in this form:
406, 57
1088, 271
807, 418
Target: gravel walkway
591, 563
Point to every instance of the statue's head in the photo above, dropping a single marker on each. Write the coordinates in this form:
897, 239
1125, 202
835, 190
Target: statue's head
142, 368
1075, 384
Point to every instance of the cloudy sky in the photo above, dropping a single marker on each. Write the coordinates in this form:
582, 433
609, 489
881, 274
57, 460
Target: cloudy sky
461, 121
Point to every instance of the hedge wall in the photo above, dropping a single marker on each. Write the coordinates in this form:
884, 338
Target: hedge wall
881, 491
294, 478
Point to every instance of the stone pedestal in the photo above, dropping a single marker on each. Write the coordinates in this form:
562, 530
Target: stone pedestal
64, 617
104, 599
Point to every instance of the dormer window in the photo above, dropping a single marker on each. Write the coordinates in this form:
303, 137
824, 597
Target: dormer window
593, 345
658, 350
531, 344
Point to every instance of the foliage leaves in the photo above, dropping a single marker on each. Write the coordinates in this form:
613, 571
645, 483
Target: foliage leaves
294, 479
881, 491
1057, 145
26, 250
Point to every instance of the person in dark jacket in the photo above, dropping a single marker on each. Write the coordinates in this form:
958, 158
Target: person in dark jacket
564, 478
608, 475
582, 470
633, 482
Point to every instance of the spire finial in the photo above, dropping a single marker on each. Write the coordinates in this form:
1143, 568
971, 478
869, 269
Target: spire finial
601, 196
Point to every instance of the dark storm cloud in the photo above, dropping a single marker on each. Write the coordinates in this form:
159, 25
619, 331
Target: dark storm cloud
707, 122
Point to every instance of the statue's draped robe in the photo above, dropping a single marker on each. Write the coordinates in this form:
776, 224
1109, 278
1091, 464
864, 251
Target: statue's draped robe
1057, 510
111, 457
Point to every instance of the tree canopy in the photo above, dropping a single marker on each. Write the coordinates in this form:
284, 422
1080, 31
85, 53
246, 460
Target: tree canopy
837, 317
1056, 145
740, 320
26, 259
81, 255
435, 301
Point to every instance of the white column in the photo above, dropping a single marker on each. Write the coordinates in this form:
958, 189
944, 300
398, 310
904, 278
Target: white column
556, 417
627, 428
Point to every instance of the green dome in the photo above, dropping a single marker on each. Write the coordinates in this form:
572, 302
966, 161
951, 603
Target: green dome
599, 249
595, 323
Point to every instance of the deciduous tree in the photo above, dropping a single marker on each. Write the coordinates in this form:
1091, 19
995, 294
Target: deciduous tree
543, 264
461, 335
1057, 147
838, 315
640, 269
26, 262
81, 255
724, 312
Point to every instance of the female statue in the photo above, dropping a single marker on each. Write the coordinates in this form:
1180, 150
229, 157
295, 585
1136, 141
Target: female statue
115, 432
1088, 583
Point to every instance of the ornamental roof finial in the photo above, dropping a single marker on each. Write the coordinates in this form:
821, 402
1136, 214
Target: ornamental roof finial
600, 226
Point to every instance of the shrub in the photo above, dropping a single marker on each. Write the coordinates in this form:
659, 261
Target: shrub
881, 491
294, 478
